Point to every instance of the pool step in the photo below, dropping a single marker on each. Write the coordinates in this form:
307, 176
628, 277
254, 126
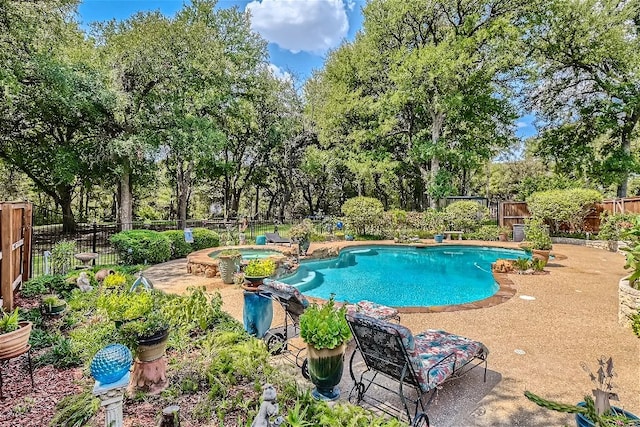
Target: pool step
309, 281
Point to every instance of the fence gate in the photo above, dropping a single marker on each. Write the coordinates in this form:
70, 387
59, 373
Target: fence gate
15, 255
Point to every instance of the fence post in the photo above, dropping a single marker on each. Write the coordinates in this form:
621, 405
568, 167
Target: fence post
6, 278
27, 250
94, 239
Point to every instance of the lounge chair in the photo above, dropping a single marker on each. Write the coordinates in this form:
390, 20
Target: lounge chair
276, 239
422, 362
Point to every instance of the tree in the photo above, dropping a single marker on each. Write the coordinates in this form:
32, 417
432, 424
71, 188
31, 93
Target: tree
586, 86
424, 81
58, 104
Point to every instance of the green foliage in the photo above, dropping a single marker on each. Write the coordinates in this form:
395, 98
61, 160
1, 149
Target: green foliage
42, 338
62, 355
41, 285
260, 268
147, 327
50, 301
324, 326
142, 246
538, 264
486, 232
522, 264
123, 305
302, 231
230, 253
536, 234
635, 324
563, 206
115, 281
75, 410
9, 321
88, 338
194, 312
435, 221
179, 247
363, 214
204, 238
632, 252
62, 256
613, 225
466, 215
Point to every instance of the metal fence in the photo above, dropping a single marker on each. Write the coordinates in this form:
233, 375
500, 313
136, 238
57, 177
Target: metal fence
94, 237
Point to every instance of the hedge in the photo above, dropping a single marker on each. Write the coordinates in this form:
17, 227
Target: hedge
363, 214
179, 247
563, 206
204, 238
142, 246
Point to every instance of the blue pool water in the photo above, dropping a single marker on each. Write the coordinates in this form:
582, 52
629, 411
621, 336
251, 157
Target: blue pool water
402, 276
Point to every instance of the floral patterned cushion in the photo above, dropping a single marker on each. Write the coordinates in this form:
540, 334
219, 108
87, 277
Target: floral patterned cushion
284, 290
391, 328
372, 309
438, 354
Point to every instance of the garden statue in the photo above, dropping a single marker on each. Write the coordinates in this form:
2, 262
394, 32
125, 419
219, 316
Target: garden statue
102, 274
268, 409
84, 283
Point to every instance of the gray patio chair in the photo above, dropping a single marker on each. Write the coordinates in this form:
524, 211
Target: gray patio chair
275, 238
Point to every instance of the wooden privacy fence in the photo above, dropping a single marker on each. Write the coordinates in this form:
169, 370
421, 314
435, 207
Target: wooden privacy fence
510, 213
15, 258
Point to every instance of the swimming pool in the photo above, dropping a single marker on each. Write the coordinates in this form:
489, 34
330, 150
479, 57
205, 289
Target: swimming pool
404, 276
252, 253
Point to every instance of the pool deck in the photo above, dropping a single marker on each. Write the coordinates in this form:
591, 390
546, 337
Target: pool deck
573, 319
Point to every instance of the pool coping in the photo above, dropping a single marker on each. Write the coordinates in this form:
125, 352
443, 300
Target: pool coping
506, 287
199, 263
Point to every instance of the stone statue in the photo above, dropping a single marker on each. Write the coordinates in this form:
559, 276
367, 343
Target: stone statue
84, 283
268, 409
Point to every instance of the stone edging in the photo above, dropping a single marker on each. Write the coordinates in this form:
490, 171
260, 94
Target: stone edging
628, 302
199, 263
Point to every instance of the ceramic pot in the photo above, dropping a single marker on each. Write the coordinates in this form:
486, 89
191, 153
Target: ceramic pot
228, 267
257, 313
53, 309
254, 281
439, 238
502, 237
153, 347
16, 342
325, 370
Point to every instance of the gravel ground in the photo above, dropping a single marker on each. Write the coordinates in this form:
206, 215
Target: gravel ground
534, 345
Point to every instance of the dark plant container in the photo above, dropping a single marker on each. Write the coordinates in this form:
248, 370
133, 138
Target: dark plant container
152, 347
325, 370
154, 339
582, 421
53, 310
439, 238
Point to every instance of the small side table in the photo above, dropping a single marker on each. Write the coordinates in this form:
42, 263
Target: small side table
5, 361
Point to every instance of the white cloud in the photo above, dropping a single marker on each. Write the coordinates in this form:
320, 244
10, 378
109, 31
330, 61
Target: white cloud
351, 4
279, 73
300, 25
522, 124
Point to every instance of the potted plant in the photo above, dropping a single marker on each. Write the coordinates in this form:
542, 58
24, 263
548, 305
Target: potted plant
52, 305
147, 336
325, 330
302, 234
257, 270
228, 263
593, 412
629, 286
538, 239
14, 334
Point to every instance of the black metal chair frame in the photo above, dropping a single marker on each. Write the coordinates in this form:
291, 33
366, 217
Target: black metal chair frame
393, 362
277, 338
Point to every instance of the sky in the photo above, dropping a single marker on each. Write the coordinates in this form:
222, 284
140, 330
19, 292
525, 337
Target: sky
299, 32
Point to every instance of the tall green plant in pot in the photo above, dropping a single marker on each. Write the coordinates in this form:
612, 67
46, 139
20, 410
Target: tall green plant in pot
325, 330
538, 239
14, 334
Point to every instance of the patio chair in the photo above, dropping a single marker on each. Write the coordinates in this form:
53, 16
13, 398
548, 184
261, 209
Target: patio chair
276, 239
420, 362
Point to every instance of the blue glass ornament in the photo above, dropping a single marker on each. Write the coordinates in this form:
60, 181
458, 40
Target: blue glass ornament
111, 363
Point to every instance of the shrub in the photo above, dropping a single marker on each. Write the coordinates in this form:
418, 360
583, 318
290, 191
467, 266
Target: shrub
613, 225
204, 238
179, 247
466, 215
42, 285
435, 221
536, 235
62, 256
563, 206
115, 280
486, 232
363, 213
142, 246
260, 268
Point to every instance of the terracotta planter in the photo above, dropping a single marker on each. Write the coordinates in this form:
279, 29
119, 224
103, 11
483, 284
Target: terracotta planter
502, 237
152, 348
16, 342
540, 254
325, 370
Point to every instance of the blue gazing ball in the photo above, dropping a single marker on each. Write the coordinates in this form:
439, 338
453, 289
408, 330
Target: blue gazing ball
339, 225
111, 363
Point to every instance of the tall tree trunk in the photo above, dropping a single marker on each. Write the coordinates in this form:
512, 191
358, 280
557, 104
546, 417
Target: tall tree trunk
125, 201
624, 178
183, 188
65, 200
436, 130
